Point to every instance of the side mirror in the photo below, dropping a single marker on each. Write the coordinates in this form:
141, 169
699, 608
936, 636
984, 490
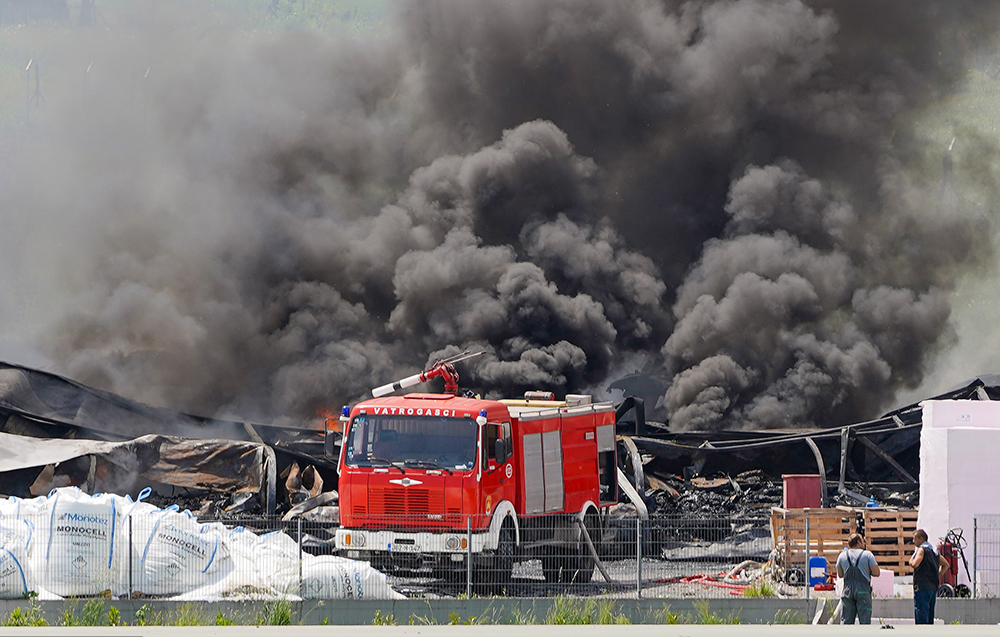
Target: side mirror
500, 451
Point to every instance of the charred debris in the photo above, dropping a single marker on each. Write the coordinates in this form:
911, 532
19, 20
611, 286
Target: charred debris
57, 432
739, 473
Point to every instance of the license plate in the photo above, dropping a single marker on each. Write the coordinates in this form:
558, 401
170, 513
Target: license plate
404, 548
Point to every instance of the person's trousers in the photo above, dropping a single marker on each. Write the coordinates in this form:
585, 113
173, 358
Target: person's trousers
923, 606
858, 605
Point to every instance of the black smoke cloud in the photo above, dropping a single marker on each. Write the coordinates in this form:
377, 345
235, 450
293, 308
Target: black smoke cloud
272, 225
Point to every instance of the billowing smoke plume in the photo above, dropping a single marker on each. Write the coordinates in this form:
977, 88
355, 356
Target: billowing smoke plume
266, 226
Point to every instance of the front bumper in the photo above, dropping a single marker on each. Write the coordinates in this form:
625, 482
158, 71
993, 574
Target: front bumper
397, 542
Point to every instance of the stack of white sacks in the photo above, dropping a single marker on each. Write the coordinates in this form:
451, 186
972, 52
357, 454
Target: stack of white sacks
73, 544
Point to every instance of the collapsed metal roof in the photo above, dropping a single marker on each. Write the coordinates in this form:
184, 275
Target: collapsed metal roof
104, 441
884, 451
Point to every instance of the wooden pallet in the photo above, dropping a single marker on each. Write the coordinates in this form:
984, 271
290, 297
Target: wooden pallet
828, 533
890, 537
889, 533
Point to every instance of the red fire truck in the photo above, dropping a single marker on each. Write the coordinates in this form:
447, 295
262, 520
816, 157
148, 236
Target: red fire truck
441, 482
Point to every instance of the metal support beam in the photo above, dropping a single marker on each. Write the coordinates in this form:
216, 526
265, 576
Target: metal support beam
635, 459
889, 460
845, 434
845, 442
822, 471
636, 404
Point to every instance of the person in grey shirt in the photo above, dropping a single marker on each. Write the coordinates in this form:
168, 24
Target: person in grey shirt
856, 566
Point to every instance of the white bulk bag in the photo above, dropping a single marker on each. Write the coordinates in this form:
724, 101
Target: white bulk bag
77, 551
330, 577
276, 560
243, 580
174, 554
15, 572
8, 507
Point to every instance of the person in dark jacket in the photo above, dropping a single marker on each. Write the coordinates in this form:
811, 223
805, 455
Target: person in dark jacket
928, 568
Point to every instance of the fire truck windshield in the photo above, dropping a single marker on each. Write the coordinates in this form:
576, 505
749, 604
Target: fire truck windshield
412, 441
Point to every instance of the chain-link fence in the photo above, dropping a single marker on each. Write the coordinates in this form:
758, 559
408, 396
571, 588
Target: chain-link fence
600, 554
88, 547
986, 556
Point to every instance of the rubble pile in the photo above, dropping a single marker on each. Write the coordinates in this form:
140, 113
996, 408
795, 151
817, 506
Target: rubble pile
885, 497
748, 495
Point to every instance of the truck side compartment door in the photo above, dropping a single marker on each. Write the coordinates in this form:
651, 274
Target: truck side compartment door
607, 464
498, 476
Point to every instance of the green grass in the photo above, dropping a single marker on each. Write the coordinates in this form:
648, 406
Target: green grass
566, 610
790, 616
146, 616
95, 612
705, 616
760, 588
276, 613
32, 616
189, 614
562, 611
384, 620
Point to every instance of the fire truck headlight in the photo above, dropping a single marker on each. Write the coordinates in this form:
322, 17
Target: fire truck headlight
453, 542
357, 539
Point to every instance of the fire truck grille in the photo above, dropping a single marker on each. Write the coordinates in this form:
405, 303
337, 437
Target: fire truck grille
407, 501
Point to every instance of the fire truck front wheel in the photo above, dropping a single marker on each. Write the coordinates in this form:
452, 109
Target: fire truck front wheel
573, 563
504, 561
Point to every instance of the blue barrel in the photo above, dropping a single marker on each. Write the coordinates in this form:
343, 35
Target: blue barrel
817, 570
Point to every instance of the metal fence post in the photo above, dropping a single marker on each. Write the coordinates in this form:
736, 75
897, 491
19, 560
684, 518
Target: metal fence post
129, 545
807, 571
300, 556
975, 570
468, 557
638, 557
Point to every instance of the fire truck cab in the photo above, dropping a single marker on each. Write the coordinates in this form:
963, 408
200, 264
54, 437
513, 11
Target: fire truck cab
441, 482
